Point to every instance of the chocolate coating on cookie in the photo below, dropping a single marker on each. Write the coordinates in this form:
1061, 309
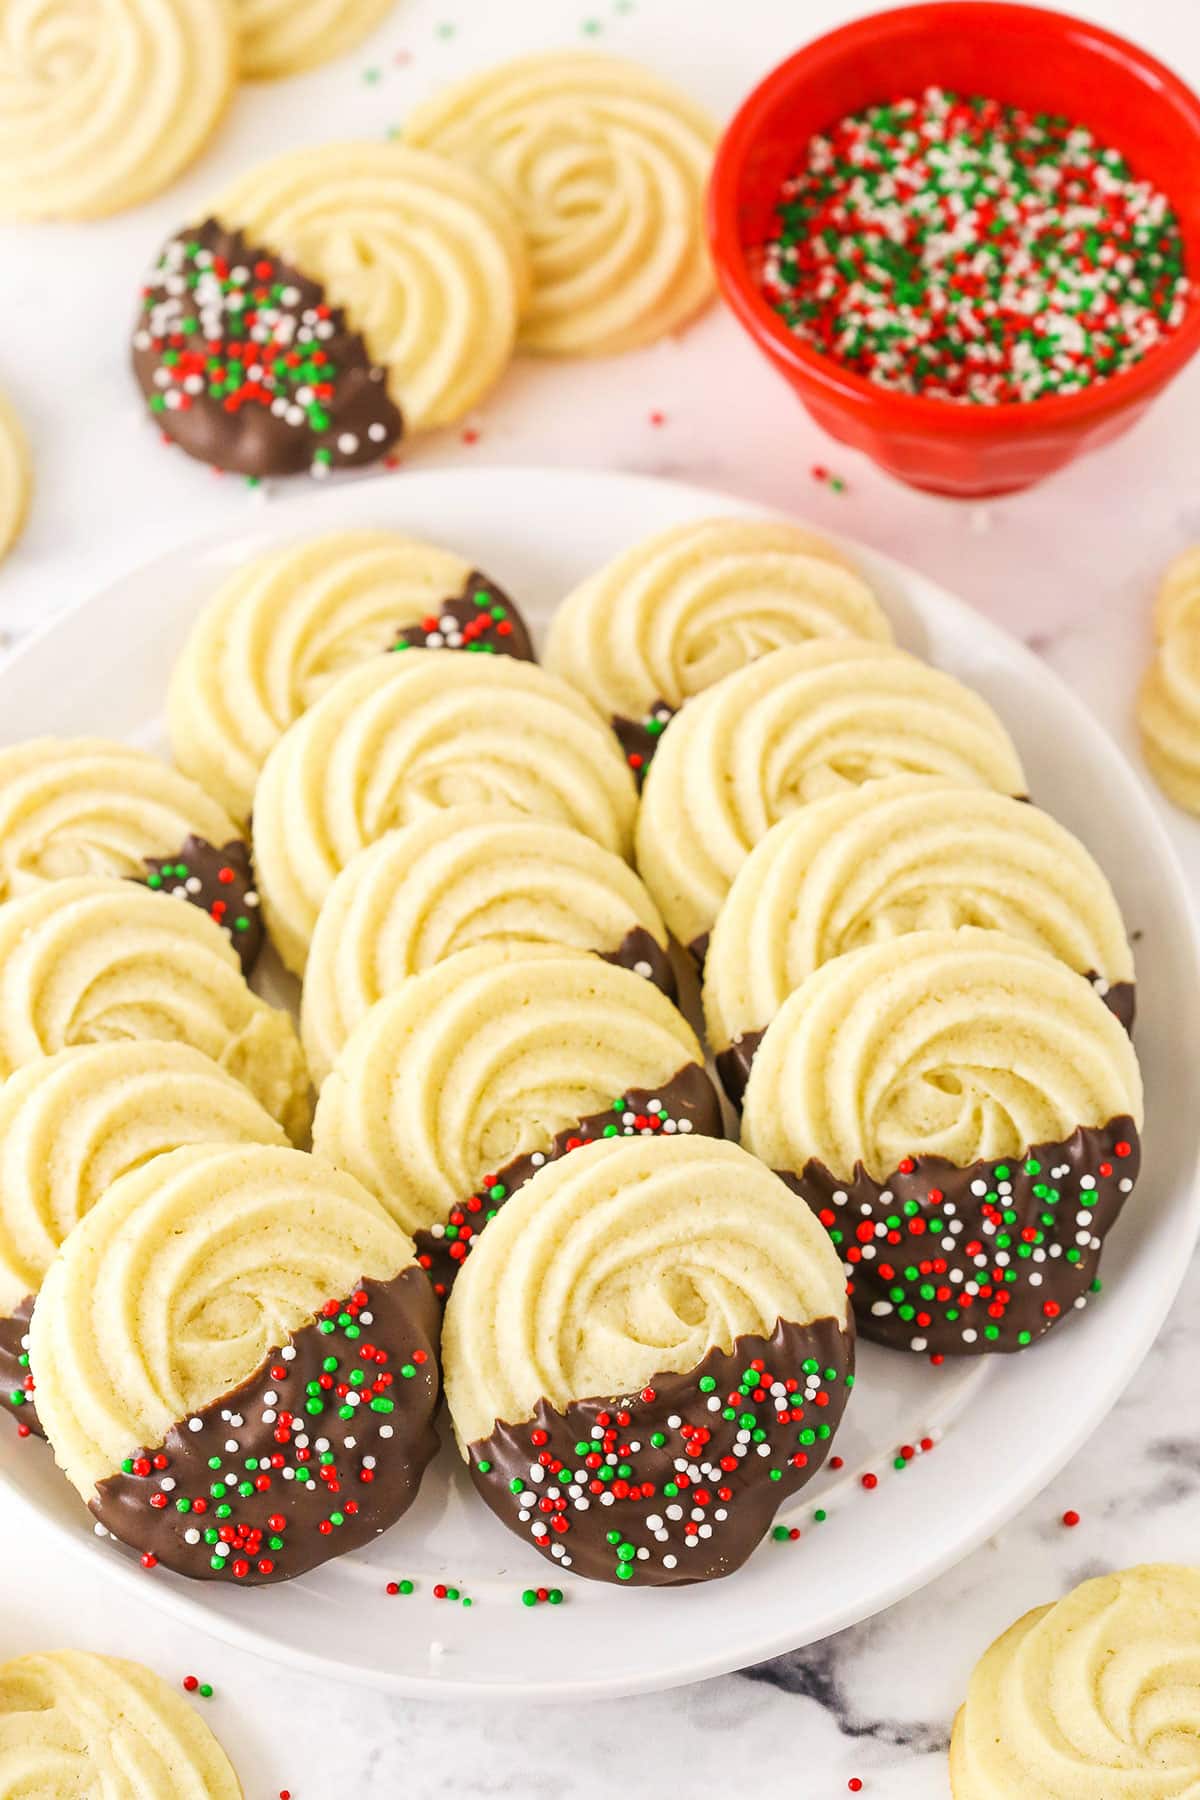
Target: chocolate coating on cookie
246, 365
16, 1383
688, 1102
317, 1453
673, 1484
638, 738
641, 952
963, 1262
480, 618
221, 882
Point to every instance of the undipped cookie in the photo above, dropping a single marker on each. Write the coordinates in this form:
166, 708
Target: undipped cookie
104, 102
16, 477
216, 1315
425, 730
1169, 701
961, 1112
468, 1078
466, 878
1096, 1697
288, 37
675, 613
662, 1308
606, 165
73, 1725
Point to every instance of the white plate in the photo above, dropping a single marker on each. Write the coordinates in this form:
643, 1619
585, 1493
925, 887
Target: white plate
1003, 1427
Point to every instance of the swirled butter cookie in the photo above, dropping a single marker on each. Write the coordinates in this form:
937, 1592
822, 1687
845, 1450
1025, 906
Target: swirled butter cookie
287, 37
16, 478
797, 725
89, 806
235, 1357
426, 730
1169, 700
961, 1112
87, 960
283, 626
73, 1724
909, 853
606, 166
454, 1090
465, 878
648, 1350
104, 102
1096, 1697
678, 611
71, 1125
333, 299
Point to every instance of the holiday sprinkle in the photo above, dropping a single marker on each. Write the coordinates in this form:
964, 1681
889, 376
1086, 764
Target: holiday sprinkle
965, 250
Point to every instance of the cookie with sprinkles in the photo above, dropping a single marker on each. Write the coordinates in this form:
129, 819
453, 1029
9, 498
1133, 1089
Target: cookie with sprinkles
235, 1358
674, 613
470, 877
466, 1080
73, 1723
795, 726
331, 298
71, 1125
246, 364
905, 854
649, 1349
90, 806
284, 625
961, 1112
427, 730
90, 960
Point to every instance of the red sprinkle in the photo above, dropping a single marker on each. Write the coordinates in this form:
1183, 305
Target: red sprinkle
1070, 1519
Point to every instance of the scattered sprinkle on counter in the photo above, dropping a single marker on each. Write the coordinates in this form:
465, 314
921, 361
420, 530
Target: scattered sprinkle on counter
1070, 1519
969, 251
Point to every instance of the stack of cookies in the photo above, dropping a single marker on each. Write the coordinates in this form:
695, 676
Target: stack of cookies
492, 877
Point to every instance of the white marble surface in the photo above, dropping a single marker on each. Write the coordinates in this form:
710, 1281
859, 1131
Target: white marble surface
1069, 567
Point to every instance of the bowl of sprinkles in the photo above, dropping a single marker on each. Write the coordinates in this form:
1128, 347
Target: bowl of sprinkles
968, 234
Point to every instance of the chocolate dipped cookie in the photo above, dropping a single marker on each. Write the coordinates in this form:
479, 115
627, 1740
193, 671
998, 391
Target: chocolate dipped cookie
235, 1359
961, 1112
648, 1351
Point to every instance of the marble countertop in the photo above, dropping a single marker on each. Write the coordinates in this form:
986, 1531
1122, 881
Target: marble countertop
1070, 567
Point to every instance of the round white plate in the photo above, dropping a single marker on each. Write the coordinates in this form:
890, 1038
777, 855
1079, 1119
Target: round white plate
1001, 1428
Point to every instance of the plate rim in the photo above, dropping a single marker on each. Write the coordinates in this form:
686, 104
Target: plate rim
295, 515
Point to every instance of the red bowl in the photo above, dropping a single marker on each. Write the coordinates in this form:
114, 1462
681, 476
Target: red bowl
1028, 57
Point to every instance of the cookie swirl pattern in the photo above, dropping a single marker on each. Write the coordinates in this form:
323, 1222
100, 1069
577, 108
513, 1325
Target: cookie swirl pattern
16, 478
675, 613
909, 853
796, 726
71, 1125
458, 1086
607, 166
1169, 700
425, 731
425, 257
73, 1723
103, 104
287, 37
463, 879
88, 960
1097, 1694
637, 1298
187, 1315
962, 1112
285, 625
